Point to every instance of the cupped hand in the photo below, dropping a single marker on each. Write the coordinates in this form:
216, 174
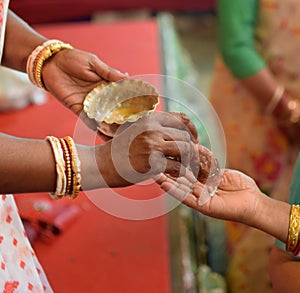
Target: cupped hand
236, 198
70, 75
160, 142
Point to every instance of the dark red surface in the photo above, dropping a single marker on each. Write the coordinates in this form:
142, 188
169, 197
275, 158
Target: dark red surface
100, 252
40, 11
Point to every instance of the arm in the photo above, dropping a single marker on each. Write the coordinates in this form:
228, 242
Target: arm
20, 41
237, 21
238, 199
284, 271
68, 75
136, 154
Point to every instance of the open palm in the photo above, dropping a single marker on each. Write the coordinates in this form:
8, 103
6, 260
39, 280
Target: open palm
236, 198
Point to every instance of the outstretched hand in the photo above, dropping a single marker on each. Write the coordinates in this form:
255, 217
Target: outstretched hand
70, 75
236, 198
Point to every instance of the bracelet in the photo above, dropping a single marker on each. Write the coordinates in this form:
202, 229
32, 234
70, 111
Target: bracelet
68, 176
61, 179
293, 243
75, 167
69, 172
277, 96
32, 57
38, 57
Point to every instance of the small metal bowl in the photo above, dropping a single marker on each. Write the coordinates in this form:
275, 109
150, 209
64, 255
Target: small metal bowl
115, 103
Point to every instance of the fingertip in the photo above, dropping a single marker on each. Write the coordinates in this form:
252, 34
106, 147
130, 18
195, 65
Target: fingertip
164, 186
159, 178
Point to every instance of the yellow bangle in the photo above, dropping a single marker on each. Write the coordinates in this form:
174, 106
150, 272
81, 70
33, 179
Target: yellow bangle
32, 57
294, 230
75, 162
38, 57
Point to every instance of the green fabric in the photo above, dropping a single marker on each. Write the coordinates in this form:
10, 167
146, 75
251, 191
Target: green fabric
237, 20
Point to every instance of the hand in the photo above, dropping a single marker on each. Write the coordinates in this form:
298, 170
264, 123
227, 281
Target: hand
284, 271
205, 166
70, 75
236, 199
160, 142
287, 117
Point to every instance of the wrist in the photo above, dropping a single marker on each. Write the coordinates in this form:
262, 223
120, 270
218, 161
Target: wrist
39, 56
89, 168
272, 217
276, 99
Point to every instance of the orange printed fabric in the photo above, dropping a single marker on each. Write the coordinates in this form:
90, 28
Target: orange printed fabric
20, 270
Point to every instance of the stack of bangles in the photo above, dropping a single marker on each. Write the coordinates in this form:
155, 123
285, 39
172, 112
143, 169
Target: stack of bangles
38, 57
282, 100
68, 176
293, 239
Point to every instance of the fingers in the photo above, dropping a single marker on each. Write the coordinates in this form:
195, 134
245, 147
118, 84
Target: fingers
178, 121
172, 134
108, 73
179, 150
180, 189
175, 189
185, 183
174, 168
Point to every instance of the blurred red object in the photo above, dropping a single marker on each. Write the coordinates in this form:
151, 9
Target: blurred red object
45, 215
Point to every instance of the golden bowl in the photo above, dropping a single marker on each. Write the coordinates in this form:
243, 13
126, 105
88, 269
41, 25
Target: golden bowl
120, 102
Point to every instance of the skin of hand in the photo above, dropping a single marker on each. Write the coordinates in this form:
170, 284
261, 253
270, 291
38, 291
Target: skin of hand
237, 199
284, 271
282, 115
160, 142
116, 129
70, 75
263, 85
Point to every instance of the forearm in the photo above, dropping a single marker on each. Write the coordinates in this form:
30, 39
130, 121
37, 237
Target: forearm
97, 167
262, 86
20, 41
272, 217
27, 165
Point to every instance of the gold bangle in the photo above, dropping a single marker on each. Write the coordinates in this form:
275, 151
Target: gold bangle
31, 58
69, 173
75, 167
294, 229
44, 55
38, 57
